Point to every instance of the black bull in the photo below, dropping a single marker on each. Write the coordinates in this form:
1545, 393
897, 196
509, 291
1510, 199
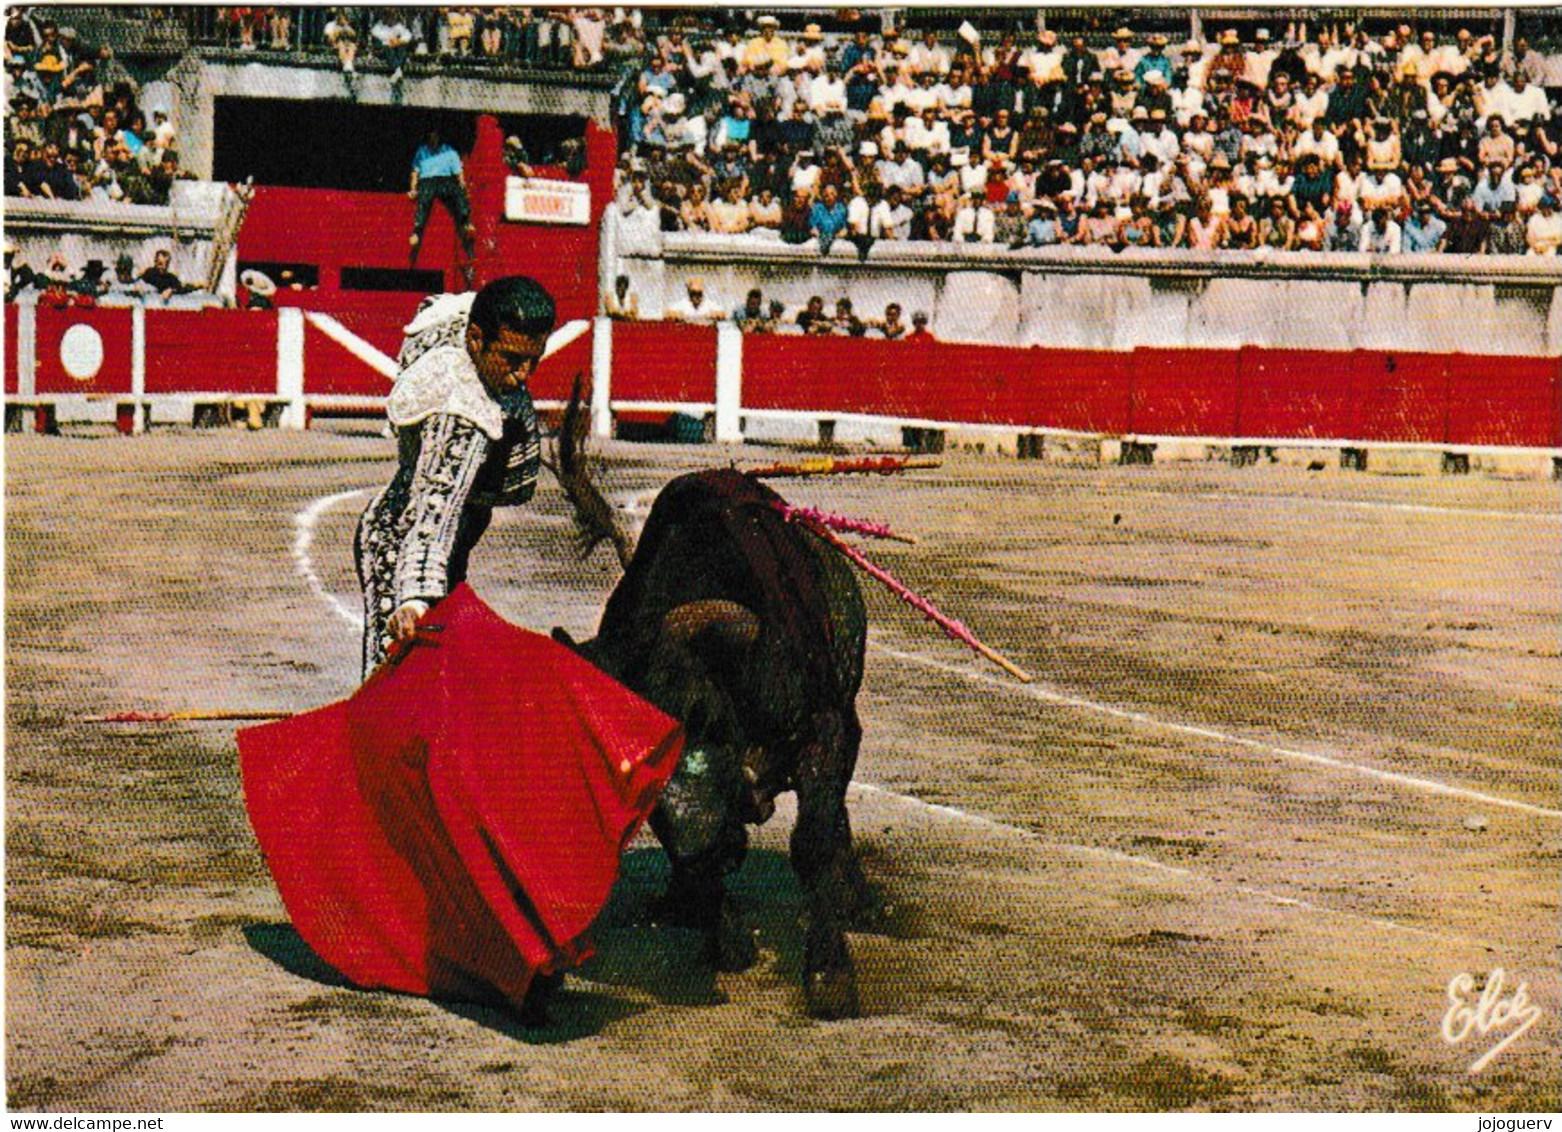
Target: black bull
751, 630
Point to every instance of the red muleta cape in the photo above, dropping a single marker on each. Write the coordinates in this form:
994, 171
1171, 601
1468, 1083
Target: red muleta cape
453, 828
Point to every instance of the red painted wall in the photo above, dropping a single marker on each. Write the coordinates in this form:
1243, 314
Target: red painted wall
12, 372
211, 351
1185, 392
664, 361
335, 229
113, 326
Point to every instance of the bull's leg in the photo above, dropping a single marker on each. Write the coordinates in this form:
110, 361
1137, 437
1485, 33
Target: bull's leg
822, 856
698, 823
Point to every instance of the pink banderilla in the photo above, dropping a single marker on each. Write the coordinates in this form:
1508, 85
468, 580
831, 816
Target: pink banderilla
949, 625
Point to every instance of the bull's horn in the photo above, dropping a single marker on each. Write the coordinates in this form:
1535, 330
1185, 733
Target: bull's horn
737, 623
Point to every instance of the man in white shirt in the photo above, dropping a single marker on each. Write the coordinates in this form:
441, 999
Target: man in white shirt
928, 57
1381, 235
890, 218
695, 308
1493, 98
1044, 62
828, 91
927, 134
1528, 102
973, 221
1323, 58
1158, 141
1320, 140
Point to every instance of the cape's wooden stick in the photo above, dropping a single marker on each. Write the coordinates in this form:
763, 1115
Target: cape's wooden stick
183, 716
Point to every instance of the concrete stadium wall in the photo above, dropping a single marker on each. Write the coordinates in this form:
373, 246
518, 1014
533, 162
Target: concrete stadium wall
1091, 298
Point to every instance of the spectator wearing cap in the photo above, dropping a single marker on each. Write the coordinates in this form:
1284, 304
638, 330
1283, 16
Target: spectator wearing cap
695, 307
1043, 230
1009, 222
1543, 233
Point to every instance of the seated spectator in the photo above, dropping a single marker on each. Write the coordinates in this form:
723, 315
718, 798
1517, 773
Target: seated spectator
621, 303
812, 319
695, 212
846, 323
729, 215
1381, 235
91, 282
1100, 225
1509, 234
974, 221
919, 330
394, 39
1205, 231
1277, 231
342, 36
694, 308
752, 318
1009, 225
1544, 230
1423, 231
797, 218
162, 281
58, 294
891, 217
891, 327
764, 213
17, 159
827, 218
1310, 231
1342, 233
1493, 190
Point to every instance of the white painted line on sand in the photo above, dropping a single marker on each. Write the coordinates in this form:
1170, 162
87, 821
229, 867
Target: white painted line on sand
1117, 856
303, 540
1394, 778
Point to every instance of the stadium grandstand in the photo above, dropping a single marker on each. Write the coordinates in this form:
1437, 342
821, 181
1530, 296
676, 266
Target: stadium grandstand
1088, 181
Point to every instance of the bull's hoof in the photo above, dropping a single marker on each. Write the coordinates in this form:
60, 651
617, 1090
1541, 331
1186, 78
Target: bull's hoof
832, 994
533, 1013
732, 946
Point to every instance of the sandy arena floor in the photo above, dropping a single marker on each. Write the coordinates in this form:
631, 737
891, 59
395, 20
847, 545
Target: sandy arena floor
1291, 764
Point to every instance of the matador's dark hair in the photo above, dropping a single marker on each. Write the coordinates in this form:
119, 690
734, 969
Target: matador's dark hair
517, 303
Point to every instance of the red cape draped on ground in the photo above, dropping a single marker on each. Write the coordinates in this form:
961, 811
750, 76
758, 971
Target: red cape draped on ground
454, 827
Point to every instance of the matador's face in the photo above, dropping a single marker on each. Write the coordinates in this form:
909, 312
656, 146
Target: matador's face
506, 360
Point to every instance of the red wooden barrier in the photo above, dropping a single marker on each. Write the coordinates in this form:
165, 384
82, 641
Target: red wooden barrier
13, 380
1401, 397
1504, 401
1296, 395
330, 369
1185, 392
665, 361
211, 351
107, 331
1085, 390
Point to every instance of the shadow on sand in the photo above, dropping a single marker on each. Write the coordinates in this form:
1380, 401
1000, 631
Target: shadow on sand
635, 951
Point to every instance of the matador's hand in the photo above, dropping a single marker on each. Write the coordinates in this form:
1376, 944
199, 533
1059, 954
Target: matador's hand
404, 622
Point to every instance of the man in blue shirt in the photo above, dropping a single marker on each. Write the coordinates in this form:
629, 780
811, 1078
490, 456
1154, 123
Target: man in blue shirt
1423, 231
436, 175
827, 218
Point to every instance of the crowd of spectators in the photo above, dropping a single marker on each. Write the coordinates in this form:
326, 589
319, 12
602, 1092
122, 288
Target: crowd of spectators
58, 286
757, 316
75, 128
1304, 137
576, 38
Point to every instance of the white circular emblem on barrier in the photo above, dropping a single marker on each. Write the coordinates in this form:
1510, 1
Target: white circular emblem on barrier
81, 352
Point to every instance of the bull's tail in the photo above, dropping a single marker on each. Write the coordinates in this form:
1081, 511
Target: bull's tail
594, 518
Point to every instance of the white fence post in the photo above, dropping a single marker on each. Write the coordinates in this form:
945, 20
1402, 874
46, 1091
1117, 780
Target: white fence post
26, 350
602, 378
138, 368
729, 384
290, 366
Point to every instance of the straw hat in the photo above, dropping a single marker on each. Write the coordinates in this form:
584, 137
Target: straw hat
813, 33
258, 283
